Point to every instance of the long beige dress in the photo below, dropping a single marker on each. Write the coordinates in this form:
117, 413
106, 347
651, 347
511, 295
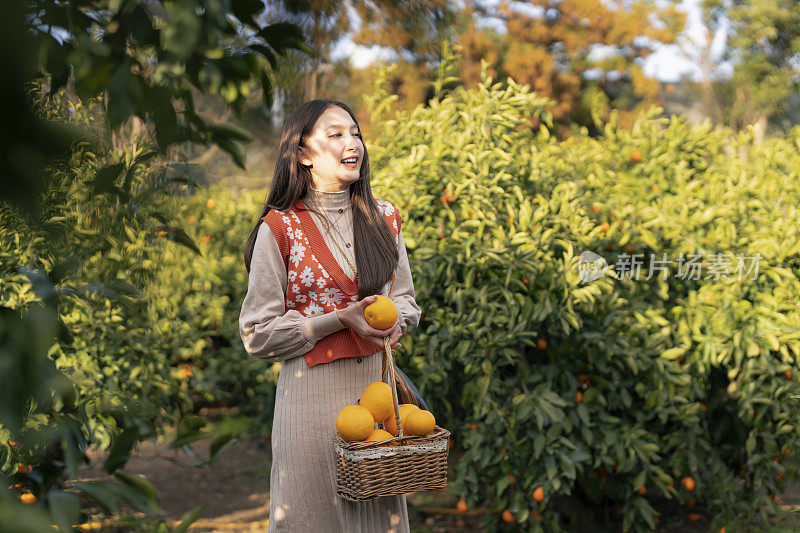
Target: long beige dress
303, 477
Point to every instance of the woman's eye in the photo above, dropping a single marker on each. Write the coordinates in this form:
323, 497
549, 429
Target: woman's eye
336, 135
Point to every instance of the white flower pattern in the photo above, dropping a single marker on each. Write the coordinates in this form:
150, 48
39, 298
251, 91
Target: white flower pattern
313, 310
297, 253
331, 296
307, 277
312, 291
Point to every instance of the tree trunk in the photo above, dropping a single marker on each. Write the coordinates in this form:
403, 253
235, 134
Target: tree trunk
759, 129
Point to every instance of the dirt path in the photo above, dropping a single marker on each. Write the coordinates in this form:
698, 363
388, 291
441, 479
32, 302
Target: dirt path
235, 491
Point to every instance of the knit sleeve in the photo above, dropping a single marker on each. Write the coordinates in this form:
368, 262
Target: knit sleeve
267, 329
403, 289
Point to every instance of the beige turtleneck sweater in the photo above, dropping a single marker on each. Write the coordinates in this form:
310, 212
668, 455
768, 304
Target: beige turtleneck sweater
271, 332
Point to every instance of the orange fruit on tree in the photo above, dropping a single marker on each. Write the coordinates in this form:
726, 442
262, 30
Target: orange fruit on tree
538, 494
508, 517
642, 490
22, 469
447, 197
536, 516
462, 505
210, 203
693, 517
27, 498
419, 422
381, 314
541, 344
377, 397
354, 423
185, 371
636, 155
377, 435
788, 374
689, 483
390, 424
190, 219
578, 396
14, 443
205, 239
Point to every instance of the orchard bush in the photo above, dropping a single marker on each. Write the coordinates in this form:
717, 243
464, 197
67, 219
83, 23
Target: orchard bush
621, 397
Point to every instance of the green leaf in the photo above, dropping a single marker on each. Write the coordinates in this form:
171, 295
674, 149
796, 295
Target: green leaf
65, 508
188, 518
105, 179
282, 36
121, 450
99, 491
234, 149
230, 131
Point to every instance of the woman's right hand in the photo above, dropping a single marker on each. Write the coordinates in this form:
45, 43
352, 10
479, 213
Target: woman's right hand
353, 317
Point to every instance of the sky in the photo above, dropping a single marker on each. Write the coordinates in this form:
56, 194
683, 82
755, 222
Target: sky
666, 63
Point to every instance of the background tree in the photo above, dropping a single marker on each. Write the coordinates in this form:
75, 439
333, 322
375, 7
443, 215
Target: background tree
765, 46
547, 45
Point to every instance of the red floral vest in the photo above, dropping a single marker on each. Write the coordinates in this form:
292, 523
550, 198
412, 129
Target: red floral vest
316, 283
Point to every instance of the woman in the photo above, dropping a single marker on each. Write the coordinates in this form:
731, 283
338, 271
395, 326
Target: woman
325, 250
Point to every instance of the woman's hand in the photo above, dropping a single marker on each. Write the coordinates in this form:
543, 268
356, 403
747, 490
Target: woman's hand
353, 317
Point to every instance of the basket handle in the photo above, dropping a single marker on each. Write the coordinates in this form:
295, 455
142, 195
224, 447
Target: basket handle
389, 378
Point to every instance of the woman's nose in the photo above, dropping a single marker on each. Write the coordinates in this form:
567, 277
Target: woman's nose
352, 142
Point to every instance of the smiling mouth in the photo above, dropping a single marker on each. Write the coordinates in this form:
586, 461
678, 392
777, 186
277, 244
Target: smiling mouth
350, 161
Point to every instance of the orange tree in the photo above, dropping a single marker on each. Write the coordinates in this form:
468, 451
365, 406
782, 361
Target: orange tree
75, 218
611, 399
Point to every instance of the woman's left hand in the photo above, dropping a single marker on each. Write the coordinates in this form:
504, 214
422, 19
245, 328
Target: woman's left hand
394, 336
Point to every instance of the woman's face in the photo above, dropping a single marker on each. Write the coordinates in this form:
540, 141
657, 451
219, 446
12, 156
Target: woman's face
334, 150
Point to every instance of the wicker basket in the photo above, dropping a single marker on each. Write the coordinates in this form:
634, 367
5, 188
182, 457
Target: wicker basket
369, 470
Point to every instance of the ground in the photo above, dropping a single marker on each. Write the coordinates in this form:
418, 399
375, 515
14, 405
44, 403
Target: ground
235, 493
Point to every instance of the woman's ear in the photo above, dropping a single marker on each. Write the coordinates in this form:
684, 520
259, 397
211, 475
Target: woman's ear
302, 153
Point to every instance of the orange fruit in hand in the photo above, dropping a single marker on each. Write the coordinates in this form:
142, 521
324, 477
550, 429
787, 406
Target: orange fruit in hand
508, 517
377, 397
381, 314
538, 494
419, 422
689, 483
354, 423
403, 409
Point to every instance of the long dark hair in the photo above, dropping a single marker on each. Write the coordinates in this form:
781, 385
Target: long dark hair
374, 244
